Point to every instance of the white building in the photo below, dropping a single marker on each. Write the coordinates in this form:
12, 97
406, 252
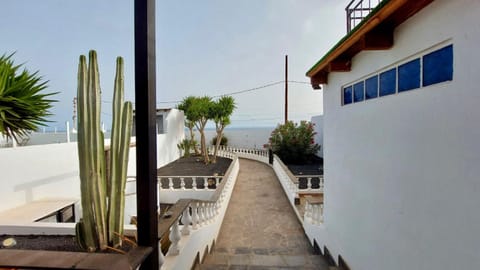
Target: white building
401, 138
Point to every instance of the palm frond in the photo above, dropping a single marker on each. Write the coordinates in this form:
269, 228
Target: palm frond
23, 104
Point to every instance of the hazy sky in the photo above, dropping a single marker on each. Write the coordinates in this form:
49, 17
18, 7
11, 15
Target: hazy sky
204, 47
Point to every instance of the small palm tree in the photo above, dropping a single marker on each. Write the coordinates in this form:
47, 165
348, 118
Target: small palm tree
23, 105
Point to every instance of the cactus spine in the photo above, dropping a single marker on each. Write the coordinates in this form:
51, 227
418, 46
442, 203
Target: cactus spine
103, 197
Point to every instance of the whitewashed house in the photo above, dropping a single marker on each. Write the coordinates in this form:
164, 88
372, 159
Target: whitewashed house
402, 138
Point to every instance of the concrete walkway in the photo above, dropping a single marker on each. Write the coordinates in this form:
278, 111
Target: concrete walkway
260, 229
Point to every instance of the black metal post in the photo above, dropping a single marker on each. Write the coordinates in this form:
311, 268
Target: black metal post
145, 98
270, 156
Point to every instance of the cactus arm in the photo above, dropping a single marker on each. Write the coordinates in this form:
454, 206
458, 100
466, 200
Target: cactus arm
87, 226
96, 142
114, 187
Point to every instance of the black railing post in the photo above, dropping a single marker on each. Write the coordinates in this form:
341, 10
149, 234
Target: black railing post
145, 98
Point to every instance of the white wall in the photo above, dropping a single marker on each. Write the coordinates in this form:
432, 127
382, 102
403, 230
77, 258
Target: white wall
34, 172
402, 171
318, 127
45, 171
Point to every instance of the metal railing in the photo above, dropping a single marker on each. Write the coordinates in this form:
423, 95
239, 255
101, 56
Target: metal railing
357, 10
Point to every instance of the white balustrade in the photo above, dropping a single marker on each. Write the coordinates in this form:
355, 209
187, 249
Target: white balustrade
201, 213
205, 182
170, 183
182, 183
174, 237
195, 217
186, 220
309, 183
194, 183
313, 213
161, 257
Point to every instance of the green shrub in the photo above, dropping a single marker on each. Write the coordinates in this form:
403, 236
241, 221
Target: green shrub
186, 145
294, 143
223, 142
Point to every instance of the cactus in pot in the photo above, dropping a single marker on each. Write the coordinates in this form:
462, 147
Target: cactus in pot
102, 195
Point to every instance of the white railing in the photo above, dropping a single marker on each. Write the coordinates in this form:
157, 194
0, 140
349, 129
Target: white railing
313, 211
192, 226
254, 154
293, 185
188, 182
309, 183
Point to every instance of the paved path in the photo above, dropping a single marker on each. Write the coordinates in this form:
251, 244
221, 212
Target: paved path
260, 229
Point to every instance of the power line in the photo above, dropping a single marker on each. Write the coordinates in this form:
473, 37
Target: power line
242, 91
235, 92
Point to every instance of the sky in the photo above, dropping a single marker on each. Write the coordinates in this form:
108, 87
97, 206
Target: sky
207, 47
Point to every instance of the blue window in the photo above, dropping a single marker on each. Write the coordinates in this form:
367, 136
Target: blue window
347, 95
388, 82
371, 87
358, 92
438, 66
409, 75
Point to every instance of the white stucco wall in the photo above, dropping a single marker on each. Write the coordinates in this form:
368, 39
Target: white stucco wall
35, 172
51, 171
402, 171
318, 127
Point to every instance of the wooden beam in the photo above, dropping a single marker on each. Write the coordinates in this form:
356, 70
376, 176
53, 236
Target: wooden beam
319, 78
145, 113
380, 38
340, 65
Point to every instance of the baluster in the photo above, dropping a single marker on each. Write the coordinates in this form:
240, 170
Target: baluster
321, 183
195, 218
210, 212
217, 181
194, 183
170, 183
201, 214
186, 220
205, 183
321, 213
217, 207
182, 183
159, 180
308, 213
309, 183
174, 237
206, 213
161, 257
314, 213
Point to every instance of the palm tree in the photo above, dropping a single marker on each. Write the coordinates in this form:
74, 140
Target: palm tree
23, 106
221, 112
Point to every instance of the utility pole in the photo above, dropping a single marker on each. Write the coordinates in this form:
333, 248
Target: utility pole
286, 89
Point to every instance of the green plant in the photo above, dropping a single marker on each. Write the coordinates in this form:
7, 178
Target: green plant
294, 143
23, 105
198, 111
102, 196
185, 146
223, 141
221, 110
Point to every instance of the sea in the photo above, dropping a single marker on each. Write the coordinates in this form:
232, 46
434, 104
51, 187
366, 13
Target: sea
243, 137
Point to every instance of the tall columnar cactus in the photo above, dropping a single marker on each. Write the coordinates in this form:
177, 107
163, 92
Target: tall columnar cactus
103, 197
